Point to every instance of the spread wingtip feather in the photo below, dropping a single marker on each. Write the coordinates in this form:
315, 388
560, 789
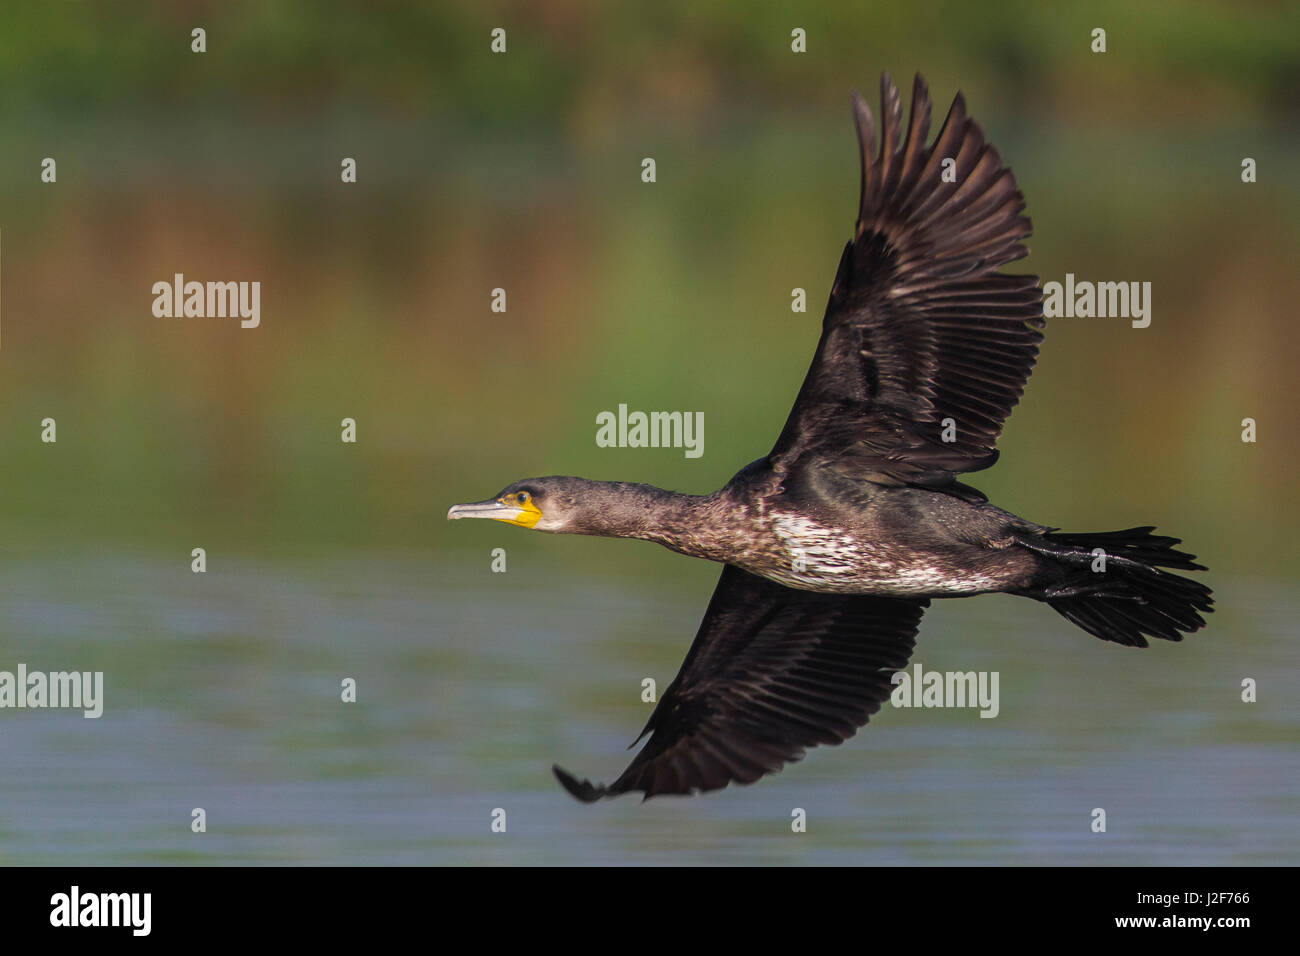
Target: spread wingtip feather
583, 790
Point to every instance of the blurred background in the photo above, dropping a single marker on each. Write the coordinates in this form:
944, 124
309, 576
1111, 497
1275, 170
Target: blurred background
522, 171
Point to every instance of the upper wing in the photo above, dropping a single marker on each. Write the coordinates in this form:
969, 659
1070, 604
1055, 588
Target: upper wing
772, 671
920, 327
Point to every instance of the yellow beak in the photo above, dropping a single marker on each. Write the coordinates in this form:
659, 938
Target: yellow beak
524, 515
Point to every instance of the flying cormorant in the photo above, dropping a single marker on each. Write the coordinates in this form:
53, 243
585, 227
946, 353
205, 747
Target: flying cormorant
834, 543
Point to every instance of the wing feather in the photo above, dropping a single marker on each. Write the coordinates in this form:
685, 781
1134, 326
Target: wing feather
921, 330
772, 672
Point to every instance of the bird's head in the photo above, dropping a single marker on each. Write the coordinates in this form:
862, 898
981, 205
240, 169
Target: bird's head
544, 504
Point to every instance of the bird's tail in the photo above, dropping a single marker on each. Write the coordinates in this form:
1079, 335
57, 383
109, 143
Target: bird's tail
1114, 585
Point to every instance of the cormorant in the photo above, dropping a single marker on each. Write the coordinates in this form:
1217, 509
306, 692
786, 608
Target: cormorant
835, 542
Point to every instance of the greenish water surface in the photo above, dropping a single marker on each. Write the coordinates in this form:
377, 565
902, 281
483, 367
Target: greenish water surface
222, 691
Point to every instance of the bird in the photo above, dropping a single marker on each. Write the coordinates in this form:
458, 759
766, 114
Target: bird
835, 542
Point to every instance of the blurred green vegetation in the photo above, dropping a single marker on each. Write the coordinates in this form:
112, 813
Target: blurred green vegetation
521, 171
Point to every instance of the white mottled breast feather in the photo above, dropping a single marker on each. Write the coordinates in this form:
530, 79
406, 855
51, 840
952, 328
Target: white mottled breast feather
821, 558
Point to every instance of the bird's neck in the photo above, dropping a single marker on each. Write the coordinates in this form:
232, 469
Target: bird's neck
689, 524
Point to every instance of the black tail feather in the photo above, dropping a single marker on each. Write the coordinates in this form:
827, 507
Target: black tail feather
1133, 596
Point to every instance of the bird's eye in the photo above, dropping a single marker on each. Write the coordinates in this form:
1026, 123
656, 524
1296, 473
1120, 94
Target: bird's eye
522, 497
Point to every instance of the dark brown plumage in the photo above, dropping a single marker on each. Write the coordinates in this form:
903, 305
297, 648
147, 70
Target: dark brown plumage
772, 671
920, 327
835, 542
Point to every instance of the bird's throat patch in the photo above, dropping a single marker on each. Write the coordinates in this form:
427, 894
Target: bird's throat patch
526, 517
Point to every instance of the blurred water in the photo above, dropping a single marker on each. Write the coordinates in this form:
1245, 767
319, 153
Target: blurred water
222, 692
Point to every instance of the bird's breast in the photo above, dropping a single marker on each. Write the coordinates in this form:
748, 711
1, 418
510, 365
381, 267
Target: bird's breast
801, 552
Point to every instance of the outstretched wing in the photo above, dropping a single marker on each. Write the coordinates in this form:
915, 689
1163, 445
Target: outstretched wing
920, 328
772, 671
